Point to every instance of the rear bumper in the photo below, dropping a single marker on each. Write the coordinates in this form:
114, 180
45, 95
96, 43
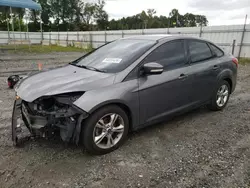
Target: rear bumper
234, 82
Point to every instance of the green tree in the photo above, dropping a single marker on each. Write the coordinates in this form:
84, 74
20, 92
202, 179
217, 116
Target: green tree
189, 20
144, 17
101, 16
201, 19
174, 18
75, 15
87, 13
4, 15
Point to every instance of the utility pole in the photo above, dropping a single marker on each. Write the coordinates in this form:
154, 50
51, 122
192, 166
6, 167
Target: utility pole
200, 26
242, 37
177, 20
20, 29
13, 29
41, 27
168, 24
145, 24
8, 28
27, 37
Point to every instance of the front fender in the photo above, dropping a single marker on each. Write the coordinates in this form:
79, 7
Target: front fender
108, 102
125, 93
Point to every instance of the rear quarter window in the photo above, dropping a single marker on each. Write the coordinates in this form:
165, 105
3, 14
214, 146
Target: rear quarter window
218, 52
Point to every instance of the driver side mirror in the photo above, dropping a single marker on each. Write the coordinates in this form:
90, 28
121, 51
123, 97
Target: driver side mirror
152, 68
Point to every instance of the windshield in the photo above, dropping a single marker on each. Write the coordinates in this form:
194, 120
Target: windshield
115, 56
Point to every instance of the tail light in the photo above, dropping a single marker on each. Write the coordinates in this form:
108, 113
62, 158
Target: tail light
235, 60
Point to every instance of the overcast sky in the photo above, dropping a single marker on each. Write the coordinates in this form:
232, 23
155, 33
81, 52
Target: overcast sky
218, 12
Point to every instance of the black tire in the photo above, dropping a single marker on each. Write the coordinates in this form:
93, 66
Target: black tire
213, 104
89, 126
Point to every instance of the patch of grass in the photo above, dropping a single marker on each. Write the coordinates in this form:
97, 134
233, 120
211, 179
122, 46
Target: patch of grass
41, 49
244, 61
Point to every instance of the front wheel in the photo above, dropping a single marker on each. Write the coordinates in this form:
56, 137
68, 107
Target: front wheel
105, 130
220, 97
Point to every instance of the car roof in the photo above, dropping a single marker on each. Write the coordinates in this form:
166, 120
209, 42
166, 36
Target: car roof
148, 37
162, 37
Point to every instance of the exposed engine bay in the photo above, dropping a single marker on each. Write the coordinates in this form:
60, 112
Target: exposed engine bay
49, 115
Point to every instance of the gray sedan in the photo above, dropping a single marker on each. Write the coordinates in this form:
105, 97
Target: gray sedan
123, 86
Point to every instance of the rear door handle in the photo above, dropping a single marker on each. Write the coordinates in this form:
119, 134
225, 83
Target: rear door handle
183, 76
216, 67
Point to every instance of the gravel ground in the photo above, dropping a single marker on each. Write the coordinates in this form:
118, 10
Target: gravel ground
16, 64
198, 149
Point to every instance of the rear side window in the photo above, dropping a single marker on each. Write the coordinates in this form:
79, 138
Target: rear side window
170, 55
199, 51
218, 52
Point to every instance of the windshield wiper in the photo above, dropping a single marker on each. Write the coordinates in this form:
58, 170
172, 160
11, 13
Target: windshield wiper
92, 68
87, 67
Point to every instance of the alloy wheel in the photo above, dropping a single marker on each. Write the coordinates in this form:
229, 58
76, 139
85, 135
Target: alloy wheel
222, 95
108, 131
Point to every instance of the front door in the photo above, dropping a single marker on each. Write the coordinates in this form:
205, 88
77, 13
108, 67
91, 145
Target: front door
163, 94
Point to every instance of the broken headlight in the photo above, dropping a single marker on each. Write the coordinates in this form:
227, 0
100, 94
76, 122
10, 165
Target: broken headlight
68, 98
54, 104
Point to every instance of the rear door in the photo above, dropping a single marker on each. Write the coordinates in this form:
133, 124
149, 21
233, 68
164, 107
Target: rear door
205, 67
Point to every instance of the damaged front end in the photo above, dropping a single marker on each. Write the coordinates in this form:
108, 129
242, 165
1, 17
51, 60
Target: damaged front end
46, 116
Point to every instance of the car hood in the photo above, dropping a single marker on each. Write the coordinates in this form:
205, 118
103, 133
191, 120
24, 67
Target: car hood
62, 80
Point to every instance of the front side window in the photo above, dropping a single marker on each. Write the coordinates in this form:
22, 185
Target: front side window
115, 56
199, 51
170, 55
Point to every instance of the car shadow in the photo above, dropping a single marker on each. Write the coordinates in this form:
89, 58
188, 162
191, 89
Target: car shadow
172, 122
57, 143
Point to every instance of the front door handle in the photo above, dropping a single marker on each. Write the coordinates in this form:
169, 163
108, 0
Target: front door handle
183, 76
216, 67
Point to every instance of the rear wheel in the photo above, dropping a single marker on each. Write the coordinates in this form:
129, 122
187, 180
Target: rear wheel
105, 130
220, 97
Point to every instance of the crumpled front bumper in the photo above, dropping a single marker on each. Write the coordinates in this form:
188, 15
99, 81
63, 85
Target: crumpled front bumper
20, 131
25, 125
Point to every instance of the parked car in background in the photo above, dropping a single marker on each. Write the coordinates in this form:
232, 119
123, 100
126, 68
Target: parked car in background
123, 86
